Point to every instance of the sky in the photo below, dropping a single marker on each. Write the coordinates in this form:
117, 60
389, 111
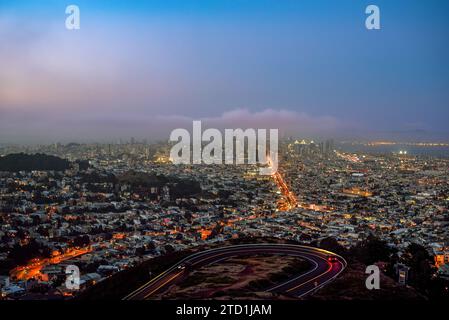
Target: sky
142, 68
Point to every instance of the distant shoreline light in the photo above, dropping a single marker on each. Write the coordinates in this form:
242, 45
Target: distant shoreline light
393, 143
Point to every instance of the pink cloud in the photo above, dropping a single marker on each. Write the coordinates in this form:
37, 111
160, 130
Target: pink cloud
112, 126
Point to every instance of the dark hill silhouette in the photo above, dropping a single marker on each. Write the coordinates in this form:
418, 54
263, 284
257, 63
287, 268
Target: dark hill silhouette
178, 187
30, 162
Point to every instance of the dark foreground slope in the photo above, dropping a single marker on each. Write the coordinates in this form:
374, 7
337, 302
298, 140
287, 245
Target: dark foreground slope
349, 286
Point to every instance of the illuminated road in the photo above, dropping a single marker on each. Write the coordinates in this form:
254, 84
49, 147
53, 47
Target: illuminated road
34, 267
322, 272
290, 199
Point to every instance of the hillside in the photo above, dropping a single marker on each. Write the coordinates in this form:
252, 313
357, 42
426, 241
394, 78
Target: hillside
32, 162
351, 286
237, 279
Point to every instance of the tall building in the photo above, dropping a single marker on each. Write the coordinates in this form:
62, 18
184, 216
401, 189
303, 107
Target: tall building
328, 146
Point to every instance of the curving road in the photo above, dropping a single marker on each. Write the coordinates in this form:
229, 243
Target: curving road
322, 272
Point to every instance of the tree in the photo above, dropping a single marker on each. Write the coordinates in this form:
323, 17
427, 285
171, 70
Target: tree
22, 254
81, 241
421, 266
372, 250
169, 248
332, 245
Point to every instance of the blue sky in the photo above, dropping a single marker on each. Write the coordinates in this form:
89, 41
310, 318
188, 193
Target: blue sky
141, 68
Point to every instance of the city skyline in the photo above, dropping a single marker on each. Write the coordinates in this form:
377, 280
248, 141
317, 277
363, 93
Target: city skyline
115, 211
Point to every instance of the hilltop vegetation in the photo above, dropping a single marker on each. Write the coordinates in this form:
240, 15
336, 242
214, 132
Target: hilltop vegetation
32, 162
142, 179
178, 187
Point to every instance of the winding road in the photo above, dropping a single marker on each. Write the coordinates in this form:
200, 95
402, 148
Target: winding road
326, 267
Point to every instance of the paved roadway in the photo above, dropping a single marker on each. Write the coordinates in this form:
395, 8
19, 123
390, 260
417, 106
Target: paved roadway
323, 271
